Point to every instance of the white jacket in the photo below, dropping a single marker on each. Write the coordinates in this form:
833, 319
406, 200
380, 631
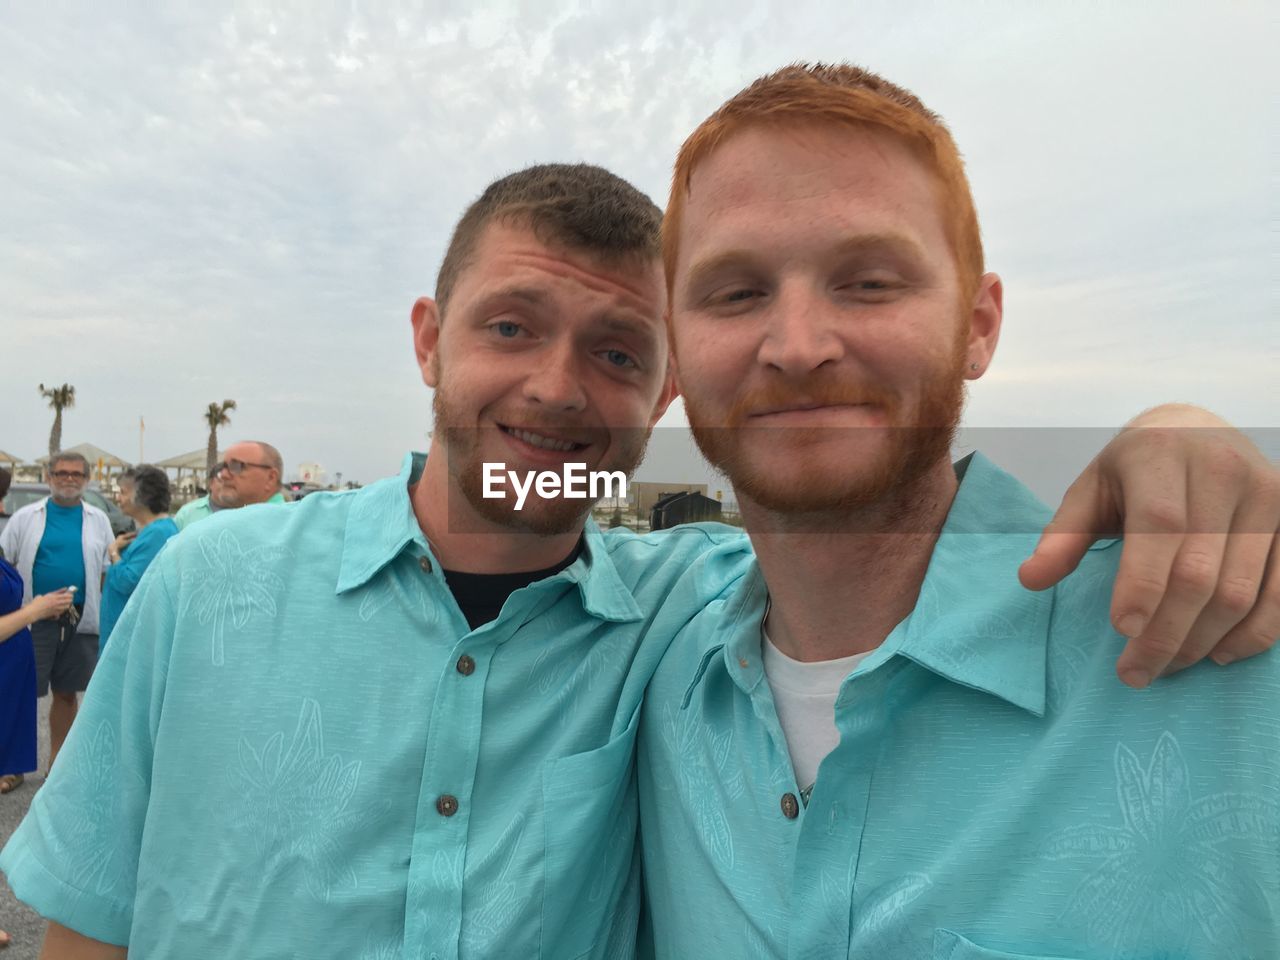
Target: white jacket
20, 539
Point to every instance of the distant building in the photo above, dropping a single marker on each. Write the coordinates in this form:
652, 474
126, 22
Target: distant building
311, 472
677, 508
643, 495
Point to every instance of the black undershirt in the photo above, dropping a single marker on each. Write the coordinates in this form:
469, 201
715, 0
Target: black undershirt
480, 596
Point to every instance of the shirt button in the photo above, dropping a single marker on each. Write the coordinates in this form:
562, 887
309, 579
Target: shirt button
447, 804
790, 806
466, 666
425, 564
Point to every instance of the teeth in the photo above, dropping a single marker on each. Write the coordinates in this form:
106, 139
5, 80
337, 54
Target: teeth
546, 443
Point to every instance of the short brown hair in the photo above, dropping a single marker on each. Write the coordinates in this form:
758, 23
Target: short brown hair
843, 94
579, 206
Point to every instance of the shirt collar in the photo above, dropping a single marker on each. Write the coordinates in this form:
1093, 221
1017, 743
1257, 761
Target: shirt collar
973, 623
604, 594
382, 523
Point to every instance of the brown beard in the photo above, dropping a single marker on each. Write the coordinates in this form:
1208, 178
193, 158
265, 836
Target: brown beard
541, 517
911, 450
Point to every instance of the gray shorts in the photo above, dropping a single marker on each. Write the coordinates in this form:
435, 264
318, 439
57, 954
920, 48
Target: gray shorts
64, 659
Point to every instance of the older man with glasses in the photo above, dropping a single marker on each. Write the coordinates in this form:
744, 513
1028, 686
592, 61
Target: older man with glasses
249, 473
56, 543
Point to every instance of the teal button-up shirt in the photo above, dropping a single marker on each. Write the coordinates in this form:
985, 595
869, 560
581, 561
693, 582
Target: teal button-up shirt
996, 791
283, 753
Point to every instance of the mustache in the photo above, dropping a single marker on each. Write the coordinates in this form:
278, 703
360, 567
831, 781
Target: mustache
785, 396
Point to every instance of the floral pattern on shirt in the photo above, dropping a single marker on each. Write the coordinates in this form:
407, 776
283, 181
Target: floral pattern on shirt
100, 862
297, 801
1165, 873
232, 586
704, 770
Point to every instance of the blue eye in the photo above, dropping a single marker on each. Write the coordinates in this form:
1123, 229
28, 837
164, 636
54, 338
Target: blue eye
507, 329
619, 359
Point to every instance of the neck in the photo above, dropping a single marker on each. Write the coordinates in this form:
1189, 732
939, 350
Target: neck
144, 517
469, 543
73, 502
841, 591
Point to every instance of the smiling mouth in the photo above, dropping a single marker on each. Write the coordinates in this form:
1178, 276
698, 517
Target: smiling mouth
541, 441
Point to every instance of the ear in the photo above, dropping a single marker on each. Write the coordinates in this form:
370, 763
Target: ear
425, 318
669, 392
984, 325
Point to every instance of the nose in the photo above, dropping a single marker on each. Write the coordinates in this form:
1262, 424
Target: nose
555, 381
802, 334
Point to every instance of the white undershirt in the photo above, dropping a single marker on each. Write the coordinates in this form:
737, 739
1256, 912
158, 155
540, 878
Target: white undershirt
805, 697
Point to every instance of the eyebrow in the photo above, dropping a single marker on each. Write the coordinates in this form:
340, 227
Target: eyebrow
528, 294
897, 244
626, 325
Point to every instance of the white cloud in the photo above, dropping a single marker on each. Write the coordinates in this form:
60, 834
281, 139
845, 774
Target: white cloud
206, 203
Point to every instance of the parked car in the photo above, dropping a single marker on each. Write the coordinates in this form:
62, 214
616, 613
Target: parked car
21, 494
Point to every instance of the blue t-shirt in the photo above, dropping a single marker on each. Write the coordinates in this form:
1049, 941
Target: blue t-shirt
122, 578
60, 557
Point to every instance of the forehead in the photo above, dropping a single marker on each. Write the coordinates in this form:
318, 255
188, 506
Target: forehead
828, 178
242, 450
68, 464
513, 258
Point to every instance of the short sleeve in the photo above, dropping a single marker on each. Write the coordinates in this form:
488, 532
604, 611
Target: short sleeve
74, 858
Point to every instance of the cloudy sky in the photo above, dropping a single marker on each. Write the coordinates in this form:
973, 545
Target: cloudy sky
242, 200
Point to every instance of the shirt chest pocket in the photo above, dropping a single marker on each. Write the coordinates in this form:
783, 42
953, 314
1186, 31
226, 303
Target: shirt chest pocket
589, 819
948, 945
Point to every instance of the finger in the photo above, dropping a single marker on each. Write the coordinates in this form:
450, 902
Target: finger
1165, 645
1085, 514
1223, 483
1155, 522
1192, 580
1260, 630
1243, 567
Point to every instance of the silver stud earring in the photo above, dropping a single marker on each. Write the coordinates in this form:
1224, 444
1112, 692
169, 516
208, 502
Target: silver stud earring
973, 366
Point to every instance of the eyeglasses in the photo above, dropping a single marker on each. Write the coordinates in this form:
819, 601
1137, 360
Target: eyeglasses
236, 467
69, 475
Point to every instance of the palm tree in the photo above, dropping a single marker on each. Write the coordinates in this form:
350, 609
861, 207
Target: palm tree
59, 399
216, 416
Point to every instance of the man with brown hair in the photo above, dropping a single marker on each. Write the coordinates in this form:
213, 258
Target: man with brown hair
396, 721
401, 721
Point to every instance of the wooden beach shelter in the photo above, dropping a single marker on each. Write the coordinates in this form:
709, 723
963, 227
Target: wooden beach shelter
193, 463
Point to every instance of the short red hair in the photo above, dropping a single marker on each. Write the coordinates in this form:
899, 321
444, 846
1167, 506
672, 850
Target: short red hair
837, 93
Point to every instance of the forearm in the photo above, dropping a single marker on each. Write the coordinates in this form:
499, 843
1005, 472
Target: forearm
60, 943
11, 623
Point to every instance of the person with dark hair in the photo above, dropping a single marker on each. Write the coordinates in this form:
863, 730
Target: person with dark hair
144, 495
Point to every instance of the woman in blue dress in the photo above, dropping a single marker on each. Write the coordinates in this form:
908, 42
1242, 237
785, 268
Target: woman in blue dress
144, 495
